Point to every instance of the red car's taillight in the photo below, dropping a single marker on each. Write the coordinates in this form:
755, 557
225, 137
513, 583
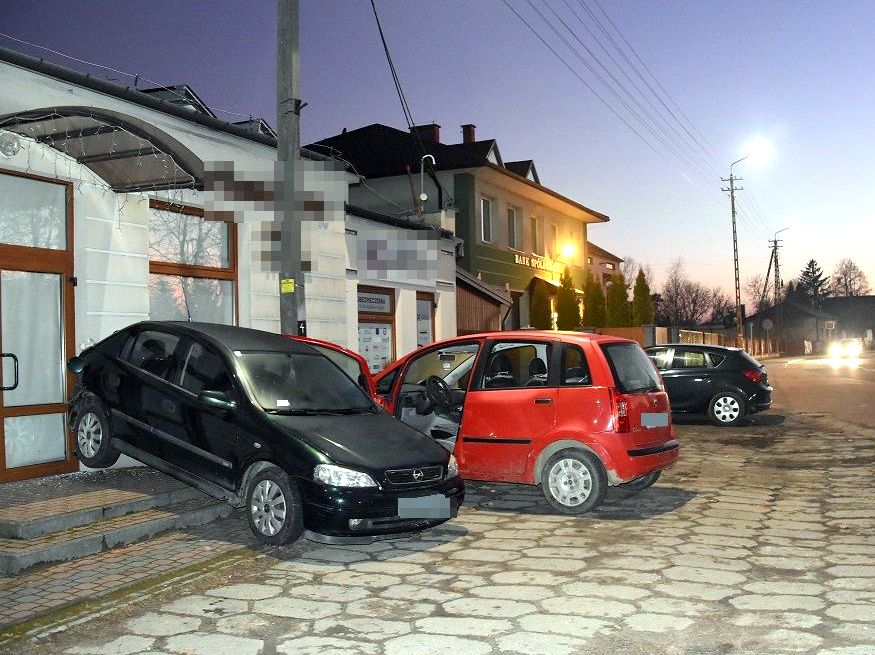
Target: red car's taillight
621, 409
753, 375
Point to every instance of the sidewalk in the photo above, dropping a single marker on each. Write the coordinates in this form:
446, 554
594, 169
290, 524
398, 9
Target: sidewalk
96, 510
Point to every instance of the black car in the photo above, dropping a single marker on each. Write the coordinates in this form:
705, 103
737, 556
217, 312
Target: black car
727, 384
263, 421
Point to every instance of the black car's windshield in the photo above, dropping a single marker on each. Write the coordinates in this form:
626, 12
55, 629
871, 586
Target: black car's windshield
633, 371
301, 383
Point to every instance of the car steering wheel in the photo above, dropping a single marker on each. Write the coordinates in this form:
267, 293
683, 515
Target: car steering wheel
438, 391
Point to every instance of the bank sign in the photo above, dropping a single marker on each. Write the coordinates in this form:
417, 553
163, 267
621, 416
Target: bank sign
539, 263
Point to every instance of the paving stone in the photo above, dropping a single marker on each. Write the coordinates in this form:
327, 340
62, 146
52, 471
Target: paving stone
853, 612
428, 644
696, 590
513, 592
483, 555
688, 574
408, 591
646, 622
852, 571
213, 644
705, 562
325, 646
328, 592
782, 619
663, 605
794, 641
296, 608
573, 626
623, 592
792, 588
335, 555
538, 643
584, 606
776, 602
549, 564
465, 627
488, 607
162, 625
246, 591
365, 628
389, 608
249, 625
126, 645
205, 606
362, 579
544, 578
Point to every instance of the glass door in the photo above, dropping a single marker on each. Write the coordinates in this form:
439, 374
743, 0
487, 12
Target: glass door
36, 326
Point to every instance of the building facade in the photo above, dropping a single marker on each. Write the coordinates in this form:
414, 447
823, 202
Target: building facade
109, 215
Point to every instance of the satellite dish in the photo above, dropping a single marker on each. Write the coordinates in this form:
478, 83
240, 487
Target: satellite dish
10, 144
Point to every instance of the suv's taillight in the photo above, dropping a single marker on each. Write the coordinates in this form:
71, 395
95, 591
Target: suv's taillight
753, 375
621, 411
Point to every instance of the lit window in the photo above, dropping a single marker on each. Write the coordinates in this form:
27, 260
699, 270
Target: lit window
609, 266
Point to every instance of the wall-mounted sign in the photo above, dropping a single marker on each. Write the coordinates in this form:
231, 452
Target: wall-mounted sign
374, 303
539, 263
424, 311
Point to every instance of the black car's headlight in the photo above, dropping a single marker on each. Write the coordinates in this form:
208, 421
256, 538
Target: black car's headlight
338, 476
452, 467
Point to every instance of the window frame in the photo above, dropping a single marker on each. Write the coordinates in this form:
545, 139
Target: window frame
484, 218
514, 228
229, 273
565, 348
478, 376
537, 237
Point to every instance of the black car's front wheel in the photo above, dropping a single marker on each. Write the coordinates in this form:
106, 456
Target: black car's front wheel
274, 507
726, 409
93, 436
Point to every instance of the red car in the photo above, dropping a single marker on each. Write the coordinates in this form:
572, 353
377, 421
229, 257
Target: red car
573, 412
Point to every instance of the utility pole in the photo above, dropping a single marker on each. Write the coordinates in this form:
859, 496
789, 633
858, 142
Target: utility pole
776, 245
288, 152
739, 325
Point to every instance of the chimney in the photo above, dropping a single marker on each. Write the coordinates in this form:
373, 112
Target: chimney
468, 133
430, 132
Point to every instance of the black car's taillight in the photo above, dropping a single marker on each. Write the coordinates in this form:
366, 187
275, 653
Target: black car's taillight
753, 375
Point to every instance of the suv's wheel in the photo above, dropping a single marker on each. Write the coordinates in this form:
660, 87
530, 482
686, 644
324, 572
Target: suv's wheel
726, 409
274, 507
574, 481
93, 436
638, 485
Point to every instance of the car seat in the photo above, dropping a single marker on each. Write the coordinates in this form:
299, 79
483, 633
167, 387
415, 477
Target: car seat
537, 373
500, 373
576, 375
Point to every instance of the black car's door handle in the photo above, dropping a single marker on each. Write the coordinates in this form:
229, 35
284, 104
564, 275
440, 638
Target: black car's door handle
14, 371
543, 401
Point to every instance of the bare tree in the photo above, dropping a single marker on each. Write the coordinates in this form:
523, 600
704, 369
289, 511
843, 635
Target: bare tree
753, 291
630, 267
682, 301
722, 308
849, 280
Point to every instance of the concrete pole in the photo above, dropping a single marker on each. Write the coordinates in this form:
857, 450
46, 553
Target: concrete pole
288, 152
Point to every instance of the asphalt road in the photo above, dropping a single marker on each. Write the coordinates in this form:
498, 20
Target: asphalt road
840, 388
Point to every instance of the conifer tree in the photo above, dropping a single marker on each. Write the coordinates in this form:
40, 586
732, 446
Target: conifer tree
617, 303
812, 285
567, 309
539, 309
594, 311
642, 304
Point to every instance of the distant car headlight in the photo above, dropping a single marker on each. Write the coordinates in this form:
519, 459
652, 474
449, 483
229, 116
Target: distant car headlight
835, 350
855, 349
338, 476
452, 467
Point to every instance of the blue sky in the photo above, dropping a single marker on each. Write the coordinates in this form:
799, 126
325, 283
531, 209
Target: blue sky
797, 73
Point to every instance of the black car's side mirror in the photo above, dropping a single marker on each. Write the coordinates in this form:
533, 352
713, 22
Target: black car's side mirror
216, 400
76, 365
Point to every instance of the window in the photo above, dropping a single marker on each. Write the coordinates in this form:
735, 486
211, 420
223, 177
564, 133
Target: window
453, 364
688, 359
609, 266
575, 369
661, 358
716, 359
33, 213
514, 364
192, 265
537, 239
384, 386
633, 371
514, 229
205, 371
486, 219
376, 327
554, 239
155, 352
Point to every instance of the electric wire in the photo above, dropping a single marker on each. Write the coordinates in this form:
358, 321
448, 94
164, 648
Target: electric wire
115, 70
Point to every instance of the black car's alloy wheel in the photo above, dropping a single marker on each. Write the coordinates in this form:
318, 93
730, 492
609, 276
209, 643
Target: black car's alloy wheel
726, 409
274, 507
574, 481
93, 436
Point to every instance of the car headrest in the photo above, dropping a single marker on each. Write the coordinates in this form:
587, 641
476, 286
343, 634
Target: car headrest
500, 364
537, 367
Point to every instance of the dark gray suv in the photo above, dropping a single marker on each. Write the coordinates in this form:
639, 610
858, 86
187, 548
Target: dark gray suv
727, 384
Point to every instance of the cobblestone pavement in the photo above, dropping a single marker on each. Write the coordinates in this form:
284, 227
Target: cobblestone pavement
761, 540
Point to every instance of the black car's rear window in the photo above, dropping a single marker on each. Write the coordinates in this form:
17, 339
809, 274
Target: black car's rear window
633, 371
747, 359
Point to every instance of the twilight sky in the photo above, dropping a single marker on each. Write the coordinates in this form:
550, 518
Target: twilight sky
797, 73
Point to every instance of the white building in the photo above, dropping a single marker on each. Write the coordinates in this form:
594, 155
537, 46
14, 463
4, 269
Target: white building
102, 225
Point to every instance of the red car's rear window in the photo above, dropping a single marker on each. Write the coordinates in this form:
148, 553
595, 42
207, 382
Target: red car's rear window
633, 371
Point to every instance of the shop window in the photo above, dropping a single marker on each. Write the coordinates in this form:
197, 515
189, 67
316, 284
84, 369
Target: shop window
376, 329
192, 265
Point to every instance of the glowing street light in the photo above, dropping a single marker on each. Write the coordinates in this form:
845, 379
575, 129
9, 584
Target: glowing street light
568, 251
